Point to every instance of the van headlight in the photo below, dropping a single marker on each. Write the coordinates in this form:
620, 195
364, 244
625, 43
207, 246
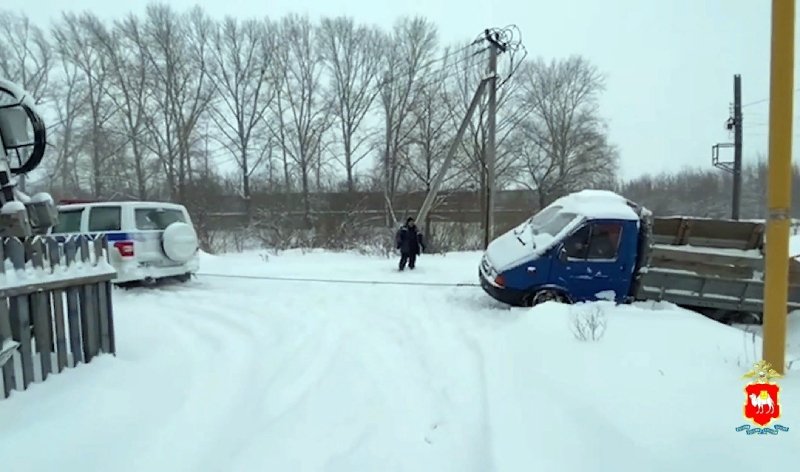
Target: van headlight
487, 268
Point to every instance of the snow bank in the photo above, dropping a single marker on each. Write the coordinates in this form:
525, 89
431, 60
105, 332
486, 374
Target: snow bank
247, 374
662, 390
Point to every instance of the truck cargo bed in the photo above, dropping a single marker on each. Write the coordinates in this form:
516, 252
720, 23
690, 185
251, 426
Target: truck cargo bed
715, 266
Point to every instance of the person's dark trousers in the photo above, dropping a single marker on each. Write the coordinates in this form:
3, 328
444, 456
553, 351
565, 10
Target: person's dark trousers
411, 259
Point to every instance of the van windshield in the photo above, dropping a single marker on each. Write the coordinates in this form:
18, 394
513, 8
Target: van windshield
551, 221
544, 226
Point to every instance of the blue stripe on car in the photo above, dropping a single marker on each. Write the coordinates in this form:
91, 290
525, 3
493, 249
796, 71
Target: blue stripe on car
113, 236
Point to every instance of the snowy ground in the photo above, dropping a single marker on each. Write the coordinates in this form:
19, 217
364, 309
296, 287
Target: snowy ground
249, 375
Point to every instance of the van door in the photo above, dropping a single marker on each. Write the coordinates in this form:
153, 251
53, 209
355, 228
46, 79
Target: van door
150, 223
107, 220
590, 265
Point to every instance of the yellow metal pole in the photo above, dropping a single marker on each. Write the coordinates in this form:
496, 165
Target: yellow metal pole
779, 183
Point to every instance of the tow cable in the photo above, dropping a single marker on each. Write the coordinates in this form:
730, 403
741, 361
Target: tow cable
339, 281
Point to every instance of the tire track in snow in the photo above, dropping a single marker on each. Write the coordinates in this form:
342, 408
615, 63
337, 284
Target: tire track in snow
486, 460
199, 399
303, 381
376, 377
284, 370
216, 406
424, 339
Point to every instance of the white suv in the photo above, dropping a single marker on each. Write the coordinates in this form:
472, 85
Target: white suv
147, 241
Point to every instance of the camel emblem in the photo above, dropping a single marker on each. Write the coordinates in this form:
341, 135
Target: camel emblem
761, 401
761, 404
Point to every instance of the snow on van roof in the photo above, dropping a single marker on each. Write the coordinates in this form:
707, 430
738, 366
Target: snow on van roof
597, 204
126, 203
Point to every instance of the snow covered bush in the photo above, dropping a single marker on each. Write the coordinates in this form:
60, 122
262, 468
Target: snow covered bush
588, 323
749, 347
446, 237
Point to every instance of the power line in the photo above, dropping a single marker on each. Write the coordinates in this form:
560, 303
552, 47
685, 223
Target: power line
410, 71
763, 100
339, 281
510, 36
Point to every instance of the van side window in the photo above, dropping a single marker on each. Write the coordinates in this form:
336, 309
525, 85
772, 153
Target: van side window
105, 218
604, 242
69, 221
577, 245
157, 218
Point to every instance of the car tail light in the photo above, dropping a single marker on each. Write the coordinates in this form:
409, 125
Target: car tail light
500, 280
125, 248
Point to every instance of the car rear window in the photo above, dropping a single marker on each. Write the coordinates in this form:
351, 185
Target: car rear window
69, 221
157, 218
105, 218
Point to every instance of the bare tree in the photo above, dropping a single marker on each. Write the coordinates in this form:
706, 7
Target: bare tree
177, 49
408, 56
349, 52
129, 69
433, 130
278, 122
25, 54
564, 144
309, 115
241, 53
76, 44
510, 113
69, 97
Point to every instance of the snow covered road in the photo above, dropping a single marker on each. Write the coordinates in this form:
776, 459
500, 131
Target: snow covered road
249, 375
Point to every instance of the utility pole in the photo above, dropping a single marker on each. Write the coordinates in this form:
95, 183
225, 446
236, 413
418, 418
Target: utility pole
733, 124
737, 147
779, 190
495, 46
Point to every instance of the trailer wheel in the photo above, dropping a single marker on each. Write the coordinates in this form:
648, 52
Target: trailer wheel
545, 295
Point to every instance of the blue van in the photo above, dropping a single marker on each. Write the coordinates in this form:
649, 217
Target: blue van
585, 246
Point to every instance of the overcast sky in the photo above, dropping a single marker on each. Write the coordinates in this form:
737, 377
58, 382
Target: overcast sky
669, 64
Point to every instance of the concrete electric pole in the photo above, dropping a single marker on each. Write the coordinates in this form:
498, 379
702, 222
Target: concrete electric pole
495, 46
737, 147
498, 43
733, 124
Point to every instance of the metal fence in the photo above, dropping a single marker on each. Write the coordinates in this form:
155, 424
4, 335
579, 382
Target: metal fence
56, 309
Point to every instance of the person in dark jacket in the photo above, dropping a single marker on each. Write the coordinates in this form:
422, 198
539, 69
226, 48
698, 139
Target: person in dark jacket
409, 242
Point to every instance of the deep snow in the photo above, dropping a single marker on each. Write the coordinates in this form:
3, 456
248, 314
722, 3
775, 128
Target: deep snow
248, 374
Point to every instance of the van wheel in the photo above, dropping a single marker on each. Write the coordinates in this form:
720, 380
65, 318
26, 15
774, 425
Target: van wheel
545, 295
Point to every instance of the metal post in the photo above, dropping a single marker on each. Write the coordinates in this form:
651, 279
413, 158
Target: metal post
779, 190
737, 146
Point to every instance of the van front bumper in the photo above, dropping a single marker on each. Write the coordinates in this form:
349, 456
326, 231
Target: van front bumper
501, 294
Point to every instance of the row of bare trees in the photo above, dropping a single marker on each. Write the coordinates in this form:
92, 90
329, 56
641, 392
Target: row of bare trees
708, 192
163, 104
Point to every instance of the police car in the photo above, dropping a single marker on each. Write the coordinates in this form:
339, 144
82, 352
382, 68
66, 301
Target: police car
147, 241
